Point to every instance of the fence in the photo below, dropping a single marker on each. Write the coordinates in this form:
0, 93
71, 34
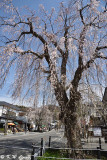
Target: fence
38, 151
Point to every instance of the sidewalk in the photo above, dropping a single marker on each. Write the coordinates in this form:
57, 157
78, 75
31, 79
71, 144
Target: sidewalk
93, 143
17, 133
92, 139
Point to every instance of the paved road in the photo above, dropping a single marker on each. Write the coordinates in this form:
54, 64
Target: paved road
13, 147
19, 146
93, 143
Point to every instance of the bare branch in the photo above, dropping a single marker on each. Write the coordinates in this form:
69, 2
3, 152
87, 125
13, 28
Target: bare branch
82, 19
29, 51
101, 47
81, 15
65, 55
95, 56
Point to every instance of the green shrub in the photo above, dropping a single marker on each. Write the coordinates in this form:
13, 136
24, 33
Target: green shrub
54, 153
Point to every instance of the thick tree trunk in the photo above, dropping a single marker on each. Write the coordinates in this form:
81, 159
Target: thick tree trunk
72, 129
72, 133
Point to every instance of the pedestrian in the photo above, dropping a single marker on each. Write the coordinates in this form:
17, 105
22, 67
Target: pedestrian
14, 130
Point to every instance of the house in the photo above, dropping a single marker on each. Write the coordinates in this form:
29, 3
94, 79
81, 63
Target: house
12, 115
94, 115
98, 114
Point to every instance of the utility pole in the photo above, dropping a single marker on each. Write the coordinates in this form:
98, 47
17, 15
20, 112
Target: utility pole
6, 122
26, 124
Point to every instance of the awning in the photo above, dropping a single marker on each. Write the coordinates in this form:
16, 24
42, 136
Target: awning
12, 124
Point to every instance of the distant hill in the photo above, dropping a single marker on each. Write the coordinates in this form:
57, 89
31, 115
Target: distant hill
23, 108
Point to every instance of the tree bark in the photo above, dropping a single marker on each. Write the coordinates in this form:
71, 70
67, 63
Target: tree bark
70, 118
72, 131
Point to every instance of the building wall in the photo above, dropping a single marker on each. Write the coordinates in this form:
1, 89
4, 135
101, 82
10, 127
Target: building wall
1, 110
12, 113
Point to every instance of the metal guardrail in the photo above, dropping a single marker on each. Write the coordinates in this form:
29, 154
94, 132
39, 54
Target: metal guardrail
63, 158
41, 149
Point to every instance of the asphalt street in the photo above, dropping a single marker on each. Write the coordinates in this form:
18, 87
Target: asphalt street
19, 147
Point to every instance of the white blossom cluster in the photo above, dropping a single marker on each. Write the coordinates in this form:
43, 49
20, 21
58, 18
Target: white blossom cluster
37, 45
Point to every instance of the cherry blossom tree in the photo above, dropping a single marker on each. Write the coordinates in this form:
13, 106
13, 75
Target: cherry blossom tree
41, 116
61, 49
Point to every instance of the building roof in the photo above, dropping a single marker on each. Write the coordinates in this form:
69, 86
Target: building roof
2, 103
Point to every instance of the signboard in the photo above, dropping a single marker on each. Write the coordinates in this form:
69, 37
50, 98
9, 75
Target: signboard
90, 129
97, 132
